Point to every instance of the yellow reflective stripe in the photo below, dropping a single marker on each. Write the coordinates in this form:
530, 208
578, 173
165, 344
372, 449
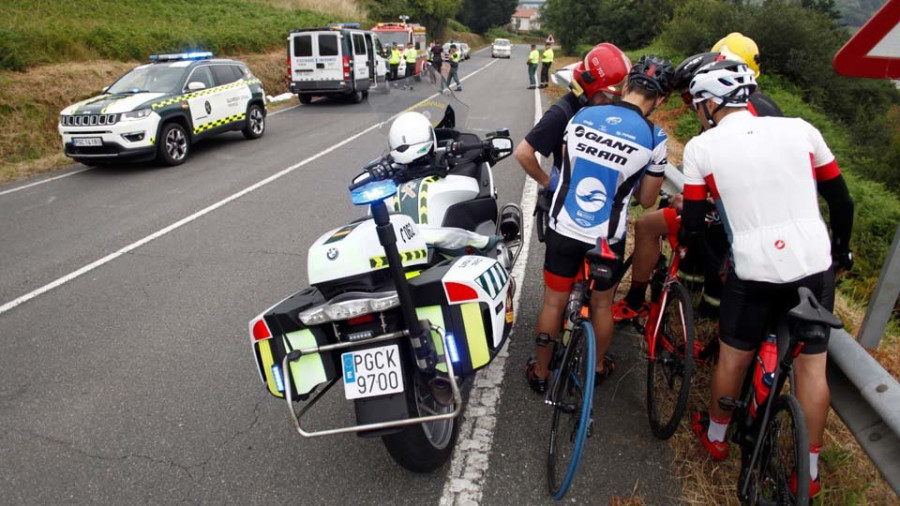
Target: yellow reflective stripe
219, 122
201, 93
475, 336
308, 371
436, 317
265, 353
405, 257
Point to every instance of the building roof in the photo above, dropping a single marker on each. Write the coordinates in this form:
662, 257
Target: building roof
525, 13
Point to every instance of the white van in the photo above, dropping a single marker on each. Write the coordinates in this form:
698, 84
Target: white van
340, 60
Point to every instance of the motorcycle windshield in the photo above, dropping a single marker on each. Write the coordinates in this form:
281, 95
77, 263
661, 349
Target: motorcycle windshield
424, 93
563, 76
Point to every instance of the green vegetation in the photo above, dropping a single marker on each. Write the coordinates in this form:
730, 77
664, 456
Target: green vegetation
34, 32
858, 117
481, 15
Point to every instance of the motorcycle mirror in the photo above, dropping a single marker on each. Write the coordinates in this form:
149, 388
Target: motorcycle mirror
501, 147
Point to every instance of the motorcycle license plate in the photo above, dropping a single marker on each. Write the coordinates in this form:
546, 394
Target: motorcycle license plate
372, 372
87, 141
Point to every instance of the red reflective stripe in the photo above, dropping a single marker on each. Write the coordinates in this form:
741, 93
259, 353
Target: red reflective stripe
261, 330
558, 283
605, 252
711, 184
827, 172
695, 192
457, 292
751, 108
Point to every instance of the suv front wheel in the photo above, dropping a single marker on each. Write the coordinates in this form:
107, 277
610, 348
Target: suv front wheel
256, 122
174, 144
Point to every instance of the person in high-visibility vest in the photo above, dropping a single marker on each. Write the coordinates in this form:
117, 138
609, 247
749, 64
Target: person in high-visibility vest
410, 55
394, 61
454, 67
546, 62
533, 57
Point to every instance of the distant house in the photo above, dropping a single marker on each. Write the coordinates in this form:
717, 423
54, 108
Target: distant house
531, 4
526, 20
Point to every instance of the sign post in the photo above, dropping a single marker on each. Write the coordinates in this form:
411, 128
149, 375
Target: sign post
874, 52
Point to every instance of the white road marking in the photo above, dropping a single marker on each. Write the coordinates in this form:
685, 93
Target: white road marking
286, 109
199, 214
468, 468
42, 181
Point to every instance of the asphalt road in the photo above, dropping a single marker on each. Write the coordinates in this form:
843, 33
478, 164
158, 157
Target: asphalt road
134, 382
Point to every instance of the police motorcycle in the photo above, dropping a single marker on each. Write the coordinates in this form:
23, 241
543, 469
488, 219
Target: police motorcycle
399, 323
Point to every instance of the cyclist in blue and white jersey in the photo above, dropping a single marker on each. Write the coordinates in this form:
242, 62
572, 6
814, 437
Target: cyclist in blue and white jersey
608, 150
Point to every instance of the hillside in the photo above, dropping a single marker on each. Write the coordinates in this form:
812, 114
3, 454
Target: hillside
854, 13
41, 32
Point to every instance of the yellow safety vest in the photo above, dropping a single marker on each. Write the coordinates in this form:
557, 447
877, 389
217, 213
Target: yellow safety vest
410, 55
395, 57
548, 56
454, 57
534, 56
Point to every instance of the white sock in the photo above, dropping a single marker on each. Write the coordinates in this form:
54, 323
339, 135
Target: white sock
716, 431
814, 464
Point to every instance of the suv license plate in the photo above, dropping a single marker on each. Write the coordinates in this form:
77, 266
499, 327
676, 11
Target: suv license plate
87, 141
372, 372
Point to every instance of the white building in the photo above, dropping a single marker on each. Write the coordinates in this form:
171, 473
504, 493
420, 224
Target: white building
526, 20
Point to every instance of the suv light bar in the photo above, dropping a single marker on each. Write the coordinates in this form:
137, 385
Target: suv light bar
194, 55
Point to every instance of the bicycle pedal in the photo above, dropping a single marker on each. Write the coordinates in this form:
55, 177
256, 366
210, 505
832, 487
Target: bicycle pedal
729, 404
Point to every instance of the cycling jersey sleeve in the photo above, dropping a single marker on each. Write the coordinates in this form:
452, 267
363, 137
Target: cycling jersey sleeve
659, 155
546, 135
823, 161
840, 212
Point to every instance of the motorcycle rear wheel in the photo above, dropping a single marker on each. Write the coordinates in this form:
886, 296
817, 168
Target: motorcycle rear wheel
424, 447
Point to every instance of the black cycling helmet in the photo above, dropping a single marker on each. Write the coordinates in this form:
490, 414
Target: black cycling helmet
686, 69
653, 74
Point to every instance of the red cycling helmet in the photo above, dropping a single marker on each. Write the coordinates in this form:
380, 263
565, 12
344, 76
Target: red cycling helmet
604, 69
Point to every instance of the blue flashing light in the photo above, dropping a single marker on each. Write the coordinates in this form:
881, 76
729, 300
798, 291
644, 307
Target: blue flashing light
373, 192
192, 55
279, 381
338, 26
451, 348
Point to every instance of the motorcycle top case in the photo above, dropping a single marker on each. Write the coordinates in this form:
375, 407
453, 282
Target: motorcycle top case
288, 334
470, 297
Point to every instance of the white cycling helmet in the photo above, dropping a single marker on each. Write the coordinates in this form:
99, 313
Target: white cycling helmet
411, 137
729, 83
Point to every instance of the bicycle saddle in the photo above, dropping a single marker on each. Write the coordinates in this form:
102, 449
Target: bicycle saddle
810, 318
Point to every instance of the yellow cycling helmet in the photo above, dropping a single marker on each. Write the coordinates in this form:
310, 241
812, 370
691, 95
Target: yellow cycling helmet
736, 44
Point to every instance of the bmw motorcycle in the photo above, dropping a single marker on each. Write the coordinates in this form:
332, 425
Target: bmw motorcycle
396, 321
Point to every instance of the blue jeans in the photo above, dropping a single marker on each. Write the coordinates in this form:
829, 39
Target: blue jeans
532, 70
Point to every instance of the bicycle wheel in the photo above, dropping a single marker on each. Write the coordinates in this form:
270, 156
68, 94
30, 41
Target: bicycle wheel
573, 394
784, 451
669, 372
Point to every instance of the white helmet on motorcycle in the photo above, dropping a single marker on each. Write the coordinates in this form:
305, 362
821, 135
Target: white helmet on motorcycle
411, 137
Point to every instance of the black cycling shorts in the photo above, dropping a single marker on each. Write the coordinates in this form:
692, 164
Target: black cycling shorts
748, 306
564, 257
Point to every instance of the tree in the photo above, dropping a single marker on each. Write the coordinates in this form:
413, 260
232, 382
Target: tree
433, 14
629, 24
480, 15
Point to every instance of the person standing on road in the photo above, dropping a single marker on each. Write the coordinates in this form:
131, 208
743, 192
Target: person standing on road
546, 62
394, 61
533, 57
764, 173
437, 57
602, 167
454, 68
410, 55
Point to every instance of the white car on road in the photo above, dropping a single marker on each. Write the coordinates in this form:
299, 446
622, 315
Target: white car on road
501, 48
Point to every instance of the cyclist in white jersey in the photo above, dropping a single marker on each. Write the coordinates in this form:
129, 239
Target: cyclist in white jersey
608, 150
764, 174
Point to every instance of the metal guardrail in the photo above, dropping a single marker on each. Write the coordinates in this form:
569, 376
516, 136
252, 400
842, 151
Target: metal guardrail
863, 394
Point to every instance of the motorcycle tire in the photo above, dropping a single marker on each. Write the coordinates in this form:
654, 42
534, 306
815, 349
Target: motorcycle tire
425, 447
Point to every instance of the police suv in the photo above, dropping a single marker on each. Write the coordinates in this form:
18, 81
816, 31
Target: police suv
159, 109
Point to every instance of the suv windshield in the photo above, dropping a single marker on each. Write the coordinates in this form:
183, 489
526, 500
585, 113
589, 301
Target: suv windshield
154, 78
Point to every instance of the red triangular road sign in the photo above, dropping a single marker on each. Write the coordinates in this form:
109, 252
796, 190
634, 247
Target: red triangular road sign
875, 49
550, 39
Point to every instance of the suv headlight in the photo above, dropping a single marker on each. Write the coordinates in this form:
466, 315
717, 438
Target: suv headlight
136, 115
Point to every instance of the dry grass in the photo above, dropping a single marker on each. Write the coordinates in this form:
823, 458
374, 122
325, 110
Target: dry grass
348, 10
